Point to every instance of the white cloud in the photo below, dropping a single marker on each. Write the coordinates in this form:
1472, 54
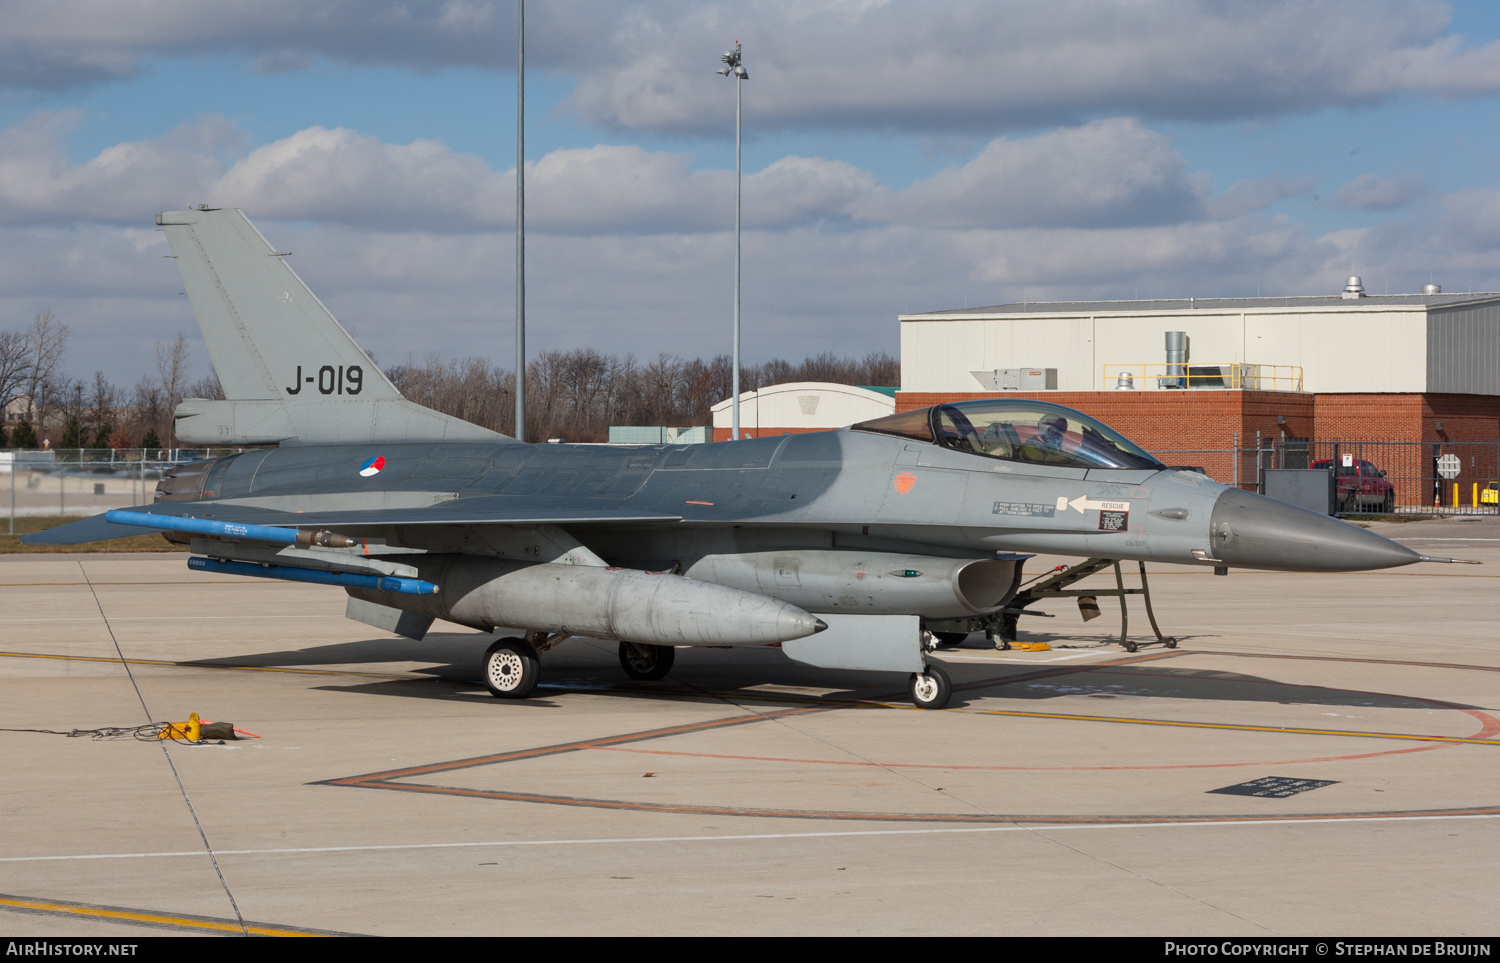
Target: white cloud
38, 184
825, 286
346, 177
1255, 194
1107, 173
630, 250
964, 65
1371, 192
977, 65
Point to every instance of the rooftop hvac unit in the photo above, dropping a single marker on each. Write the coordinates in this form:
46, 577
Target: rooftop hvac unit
1017, 379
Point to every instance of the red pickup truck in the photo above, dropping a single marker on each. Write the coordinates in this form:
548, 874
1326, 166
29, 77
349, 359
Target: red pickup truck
1361, 487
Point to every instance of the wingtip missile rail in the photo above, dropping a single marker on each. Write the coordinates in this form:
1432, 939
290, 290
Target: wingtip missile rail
208, 526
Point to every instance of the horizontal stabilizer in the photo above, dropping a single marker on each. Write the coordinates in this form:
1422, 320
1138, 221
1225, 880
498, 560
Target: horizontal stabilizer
96, 529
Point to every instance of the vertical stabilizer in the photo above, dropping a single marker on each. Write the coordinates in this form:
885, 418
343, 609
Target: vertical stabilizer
290, 371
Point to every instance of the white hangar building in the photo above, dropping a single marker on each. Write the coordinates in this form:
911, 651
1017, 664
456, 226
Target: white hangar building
1418, 343
802, 406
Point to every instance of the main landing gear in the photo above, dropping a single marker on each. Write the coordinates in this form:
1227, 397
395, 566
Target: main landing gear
511, 669
646, 662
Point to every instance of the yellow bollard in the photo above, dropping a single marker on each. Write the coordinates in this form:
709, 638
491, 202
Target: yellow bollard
1455, 495
1476, 494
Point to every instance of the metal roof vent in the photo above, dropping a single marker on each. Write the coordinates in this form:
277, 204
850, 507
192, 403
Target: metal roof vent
1432, 289
1354, 287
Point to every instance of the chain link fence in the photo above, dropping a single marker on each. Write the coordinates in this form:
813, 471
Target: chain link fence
1413, 469
86, 481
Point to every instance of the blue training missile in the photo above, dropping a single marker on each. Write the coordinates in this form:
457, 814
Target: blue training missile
207, 526
373, 583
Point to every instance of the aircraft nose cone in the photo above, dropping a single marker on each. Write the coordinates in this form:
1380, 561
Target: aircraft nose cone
1257, 532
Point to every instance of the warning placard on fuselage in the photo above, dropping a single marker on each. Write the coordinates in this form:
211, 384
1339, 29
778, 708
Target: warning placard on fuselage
1114, 521
1033, 509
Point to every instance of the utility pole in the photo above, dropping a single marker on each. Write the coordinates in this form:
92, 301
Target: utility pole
733, 66
521, 221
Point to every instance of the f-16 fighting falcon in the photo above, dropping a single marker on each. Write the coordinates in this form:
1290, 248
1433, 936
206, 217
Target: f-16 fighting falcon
843, 547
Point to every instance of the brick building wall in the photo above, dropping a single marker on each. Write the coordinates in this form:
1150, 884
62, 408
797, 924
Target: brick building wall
1177, 420
1198, 427
1209, 419
722, 434
1167, 420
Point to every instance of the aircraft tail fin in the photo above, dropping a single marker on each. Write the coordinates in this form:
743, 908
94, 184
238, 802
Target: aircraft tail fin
290, 371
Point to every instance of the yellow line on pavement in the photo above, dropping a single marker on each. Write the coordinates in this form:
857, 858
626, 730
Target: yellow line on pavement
154, 919
199, 665
1229, 726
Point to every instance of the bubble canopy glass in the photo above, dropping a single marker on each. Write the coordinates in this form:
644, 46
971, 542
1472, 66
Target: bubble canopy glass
1018, 430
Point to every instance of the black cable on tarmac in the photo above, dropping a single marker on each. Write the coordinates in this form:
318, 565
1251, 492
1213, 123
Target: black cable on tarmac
175, 775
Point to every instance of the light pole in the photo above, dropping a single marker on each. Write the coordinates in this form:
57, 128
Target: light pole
521, 221
733, 65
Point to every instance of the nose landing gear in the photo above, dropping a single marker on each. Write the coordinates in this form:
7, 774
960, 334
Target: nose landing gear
930, 688
1056, 586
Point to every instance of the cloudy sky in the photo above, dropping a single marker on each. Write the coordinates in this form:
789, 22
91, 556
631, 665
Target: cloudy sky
898, 156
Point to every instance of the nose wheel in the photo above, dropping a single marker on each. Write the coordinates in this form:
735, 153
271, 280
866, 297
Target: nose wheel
930, 688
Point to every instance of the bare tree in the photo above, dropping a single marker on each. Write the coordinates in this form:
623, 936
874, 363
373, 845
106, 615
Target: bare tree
171, 375
46, 340
150, 413
207, 387
69, 398
99, 421
15, 353
882, 369
578, 395
471, 389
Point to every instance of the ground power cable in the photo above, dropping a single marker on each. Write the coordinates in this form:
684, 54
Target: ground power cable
214, 859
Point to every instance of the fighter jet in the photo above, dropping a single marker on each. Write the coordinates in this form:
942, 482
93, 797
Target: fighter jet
841, 547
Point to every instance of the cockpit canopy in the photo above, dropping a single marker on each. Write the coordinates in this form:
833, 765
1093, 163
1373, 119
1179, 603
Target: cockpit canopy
1018, 430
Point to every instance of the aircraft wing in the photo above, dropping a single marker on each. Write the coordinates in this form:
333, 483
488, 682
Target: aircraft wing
460, 511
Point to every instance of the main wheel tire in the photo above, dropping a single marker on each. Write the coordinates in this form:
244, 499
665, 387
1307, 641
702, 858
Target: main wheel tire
1390, 502
511, 669
949, 638
646, 662
931, 688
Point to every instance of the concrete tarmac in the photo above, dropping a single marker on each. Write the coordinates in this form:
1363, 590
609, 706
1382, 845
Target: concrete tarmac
1070, 791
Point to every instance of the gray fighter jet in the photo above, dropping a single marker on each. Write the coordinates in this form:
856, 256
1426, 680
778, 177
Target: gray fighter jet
842, 547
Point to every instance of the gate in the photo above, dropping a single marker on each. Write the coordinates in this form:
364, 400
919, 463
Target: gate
1411, 466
